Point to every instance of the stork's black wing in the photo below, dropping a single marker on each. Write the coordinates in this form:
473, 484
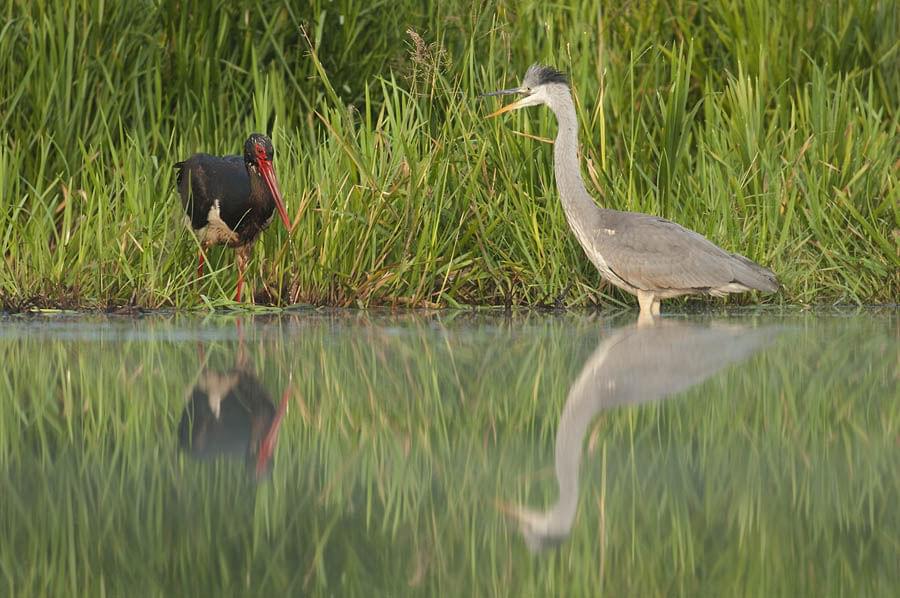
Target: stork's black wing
203, 179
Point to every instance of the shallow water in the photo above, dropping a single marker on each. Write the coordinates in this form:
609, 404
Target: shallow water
451, 454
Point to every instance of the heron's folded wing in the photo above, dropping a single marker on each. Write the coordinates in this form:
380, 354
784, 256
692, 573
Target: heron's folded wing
653, 253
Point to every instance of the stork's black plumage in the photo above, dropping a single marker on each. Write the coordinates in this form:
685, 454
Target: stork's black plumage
230, 200
231, 414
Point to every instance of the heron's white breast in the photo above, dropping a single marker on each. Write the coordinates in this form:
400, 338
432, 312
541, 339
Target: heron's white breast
589, 245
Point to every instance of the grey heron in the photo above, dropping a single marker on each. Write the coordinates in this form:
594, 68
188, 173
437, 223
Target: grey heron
647, 256
634, 365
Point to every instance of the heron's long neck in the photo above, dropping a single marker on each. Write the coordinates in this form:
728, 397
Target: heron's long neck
569, 443
576, 201
588, 395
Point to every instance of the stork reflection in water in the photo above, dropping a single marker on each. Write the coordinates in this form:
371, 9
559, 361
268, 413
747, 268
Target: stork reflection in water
231, 414
634, 365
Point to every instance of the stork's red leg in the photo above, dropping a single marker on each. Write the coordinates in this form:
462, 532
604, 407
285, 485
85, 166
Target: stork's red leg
242, 257
241, 358
200, 264
240, 285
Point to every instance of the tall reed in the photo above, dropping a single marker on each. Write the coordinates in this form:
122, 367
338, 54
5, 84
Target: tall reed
770, 126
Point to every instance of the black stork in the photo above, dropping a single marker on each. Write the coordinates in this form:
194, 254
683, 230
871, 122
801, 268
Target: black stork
230, 414
230, 200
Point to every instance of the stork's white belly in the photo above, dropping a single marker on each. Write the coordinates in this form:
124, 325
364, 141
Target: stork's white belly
216, 232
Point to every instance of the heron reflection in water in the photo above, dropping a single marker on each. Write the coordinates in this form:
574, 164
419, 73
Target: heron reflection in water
636, 364
231, 414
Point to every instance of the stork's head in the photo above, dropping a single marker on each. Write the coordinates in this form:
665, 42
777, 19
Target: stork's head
258, 156
541, 85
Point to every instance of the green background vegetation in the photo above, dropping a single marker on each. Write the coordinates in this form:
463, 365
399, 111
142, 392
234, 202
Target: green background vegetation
769, 126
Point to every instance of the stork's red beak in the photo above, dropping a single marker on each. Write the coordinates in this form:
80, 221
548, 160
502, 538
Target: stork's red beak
268, 174
267, 446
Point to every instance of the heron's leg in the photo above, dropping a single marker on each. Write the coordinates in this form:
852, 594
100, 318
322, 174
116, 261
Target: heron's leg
242, 257
646, 300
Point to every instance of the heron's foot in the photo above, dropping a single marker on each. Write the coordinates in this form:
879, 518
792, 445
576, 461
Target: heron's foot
649, 303
646, 319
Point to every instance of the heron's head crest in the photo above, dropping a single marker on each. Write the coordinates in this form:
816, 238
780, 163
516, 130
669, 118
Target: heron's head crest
539, 74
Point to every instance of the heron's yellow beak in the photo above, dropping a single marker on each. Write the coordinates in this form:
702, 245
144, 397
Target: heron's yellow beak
516, 512
514, 106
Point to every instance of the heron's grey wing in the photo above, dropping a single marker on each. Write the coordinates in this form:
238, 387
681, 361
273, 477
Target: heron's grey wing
653, 253
638, 364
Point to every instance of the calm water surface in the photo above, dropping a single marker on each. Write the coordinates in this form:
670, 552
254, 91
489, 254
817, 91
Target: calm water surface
451, 454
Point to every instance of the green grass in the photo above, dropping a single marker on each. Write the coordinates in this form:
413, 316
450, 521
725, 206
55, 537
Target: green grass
769, 126
775, 477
